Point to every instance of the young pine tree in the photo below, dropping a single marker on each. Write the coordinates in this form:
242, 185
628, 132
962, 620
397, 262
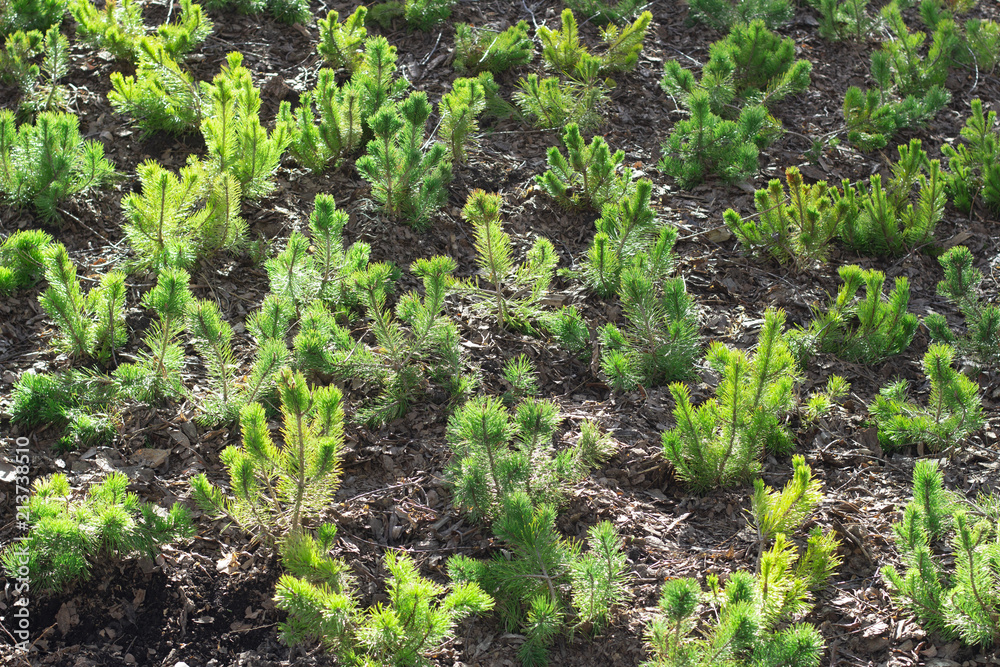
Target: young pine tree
867, 330
554, 103
69, 536
484, 50
724, 14
588, 176
720, 442
338, 132
409, 181
276, 489
516, 291
22, 259
342, 44
459, 111
212, 337
974, 166
953, 411
981, 340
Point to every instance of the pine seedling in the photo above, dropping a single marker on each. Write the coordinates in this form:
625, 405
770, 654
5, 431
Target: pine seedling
628, 236
459, 111
569, 328
28, 15
338, 132
873, 118
418, 14
484, 50
528, 585
157, 372
342, 44
659, 343
375, 80
67, 536
953, 411
720, 442
705, 144
292, 272
561, 49
956, 597
796, 227
724, 14
83, 404
161, 97
983, 39
981, 341
276, 489
520, 374
191, 29
781, 512
212, 337
554, 103
238, 145
865, 330
272, 321
496, 454
623, 45
587, 176
515, 292
286, 11
334, 264
974, 166
164, 220
22, 259
409, 181
887, 223
66, 304
602, 12
911, 73
106, 305
44, 163
117, 27
820, 403
40, 90
19, 50
840, 19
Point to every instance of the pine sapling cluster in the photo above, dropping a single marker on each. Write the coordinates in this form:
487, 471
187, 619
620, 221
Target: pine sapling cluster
530, 585
82, 404
459, 111
724, 14
27, 15
981, 341
794, 227
514, 293
866, 330
286, 11
602, 12
483, 50
119, 29
752, 615
22, 259
407, 180
954, 595
720, 442
318, 594
44, 163
39, 83
418, 14
586, 175
69, 536
552, 102
844, 19
974, 166
563, 51
953, 411
275, 490
342, 44
326, 126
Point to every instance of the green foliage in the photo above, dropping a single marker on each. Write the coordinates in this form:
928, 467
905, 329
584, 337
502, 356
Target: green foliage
724, 14
623, 45
116, 28
418, 14
865, 330
286, 11
873, 118
44, 163
556, 103
338, 132
796, 227
459, 111
720, 442
911, 73
529, 584
409, 181
561, 48
157, 371
953, 411
22, 259
974, 166
587, 176
983, 40
569, 328
704, 144
563, 51
954, 595
15, 60
81, 403
212, 337
602, 12
840, 19
40, 90
375, 80
190, 30
887, 223
321, 604
981, 340
483, 50
497, 453
628, 236
515, 293
342, 44
659, 343
275, 489
781, 512
90, 326
69, 536
25, 15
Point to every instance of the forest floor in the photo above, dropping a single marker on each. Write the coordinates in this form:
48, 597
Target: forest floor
208, 600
